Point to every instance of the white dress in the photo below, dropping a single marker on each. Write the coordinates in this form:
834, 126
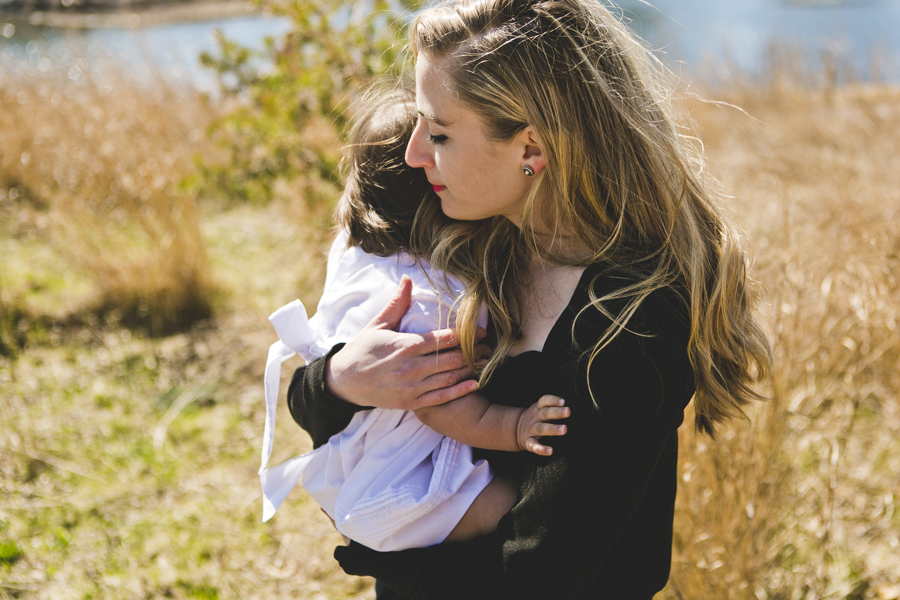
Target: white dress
388, 481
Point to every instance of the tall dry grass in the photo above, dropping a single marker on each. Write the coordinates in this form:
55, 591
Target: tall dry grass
95, 168
802, 502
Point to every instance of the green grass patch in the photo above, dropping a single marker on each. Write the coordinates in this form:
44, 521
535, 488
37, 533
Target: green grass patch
200, 591
10, 553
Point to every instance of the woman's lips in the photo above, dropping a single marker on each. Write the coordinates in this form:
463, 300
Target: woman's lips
438, 188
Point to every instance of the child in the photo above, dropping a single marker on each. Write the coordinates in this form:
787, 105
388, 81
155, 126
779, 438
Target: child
388, 481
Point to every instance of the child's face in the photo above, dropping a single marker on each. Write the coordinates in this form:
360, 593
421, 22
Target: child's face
474, 176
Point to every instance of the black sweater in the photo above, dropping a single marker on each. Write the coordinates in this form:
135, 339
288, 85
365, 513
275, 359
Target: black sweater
594, 520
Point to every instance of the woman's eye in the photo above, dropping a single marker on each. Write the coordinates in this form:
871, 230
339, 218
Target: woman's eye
436, 140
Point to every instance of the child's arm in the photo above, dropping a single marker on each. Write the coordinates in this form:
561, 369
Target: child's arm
476, 422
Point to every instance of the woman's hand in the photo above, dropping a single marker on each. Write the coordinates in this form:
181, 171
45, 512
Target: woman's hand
385, 369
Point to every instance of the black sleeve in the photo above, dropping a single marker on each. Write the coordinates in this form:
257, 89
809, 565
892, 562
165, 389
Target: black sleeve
562, 537
319, 413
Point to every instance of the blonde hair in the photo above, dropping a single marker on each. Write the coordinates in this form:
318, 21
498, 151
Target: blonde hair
620, 178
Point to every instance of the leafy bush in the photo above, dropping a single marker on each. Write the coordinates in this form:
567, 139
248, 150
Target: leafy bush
283, 134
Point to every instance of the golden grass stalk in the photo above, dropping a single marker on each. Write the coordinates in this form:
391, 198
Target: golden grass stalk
98, 167
801, 502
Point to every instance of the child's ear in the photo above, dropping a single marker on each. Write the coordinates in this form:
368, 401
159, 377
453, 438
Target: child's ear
533, 154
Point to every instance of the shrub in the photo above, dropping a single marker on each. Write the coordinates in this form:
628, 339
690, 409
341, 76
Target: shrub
283, 134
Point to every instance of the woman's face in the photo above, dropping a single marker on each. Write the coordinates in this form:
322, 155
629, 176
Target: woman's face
474, 176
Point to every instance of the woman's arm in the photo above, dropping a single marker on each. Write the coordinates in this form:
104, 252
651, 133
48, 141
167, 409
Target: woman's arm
471, 420
595, 515
382, 368
319, 413
379, 368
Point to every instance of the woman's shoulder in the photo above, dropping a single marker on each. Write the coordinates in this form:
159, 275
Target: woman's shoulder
645, 365
606, 292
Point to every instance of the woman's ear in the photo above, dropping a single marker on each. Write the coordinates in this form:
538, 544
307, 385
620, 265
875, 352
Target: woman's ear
533, 154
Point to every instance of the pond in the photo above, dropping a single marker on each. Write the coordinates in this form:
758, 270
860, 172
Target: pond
171, 50
861, 38
703, 39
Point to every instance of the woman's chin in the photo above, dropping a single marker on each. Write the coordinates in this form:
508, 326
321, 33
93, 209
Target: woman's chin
452, 211
456, 212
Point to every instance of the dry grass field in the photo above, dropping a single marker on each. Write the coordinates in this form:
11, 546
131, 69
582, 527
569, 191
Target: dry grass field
133, 334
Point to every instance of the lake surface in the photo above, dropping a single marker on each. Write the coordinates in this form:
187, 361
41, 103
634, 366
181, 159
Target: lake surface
853, 35
171, 50
704, 39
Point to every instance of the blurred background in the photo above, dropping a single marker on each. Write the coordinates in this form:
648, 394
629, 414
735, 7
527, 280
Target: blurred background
167, 175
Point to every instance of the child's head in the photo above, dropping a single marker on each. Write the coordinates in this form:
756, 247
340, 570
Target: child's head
382, 192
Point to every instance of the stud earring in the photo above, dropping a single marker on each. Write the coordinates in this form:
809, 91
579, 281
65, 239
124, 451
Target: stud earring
528, 170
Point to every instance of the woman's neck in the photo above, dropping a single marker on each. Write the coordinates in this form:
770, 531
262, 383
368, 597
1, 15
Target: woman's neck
555, 242
547, 292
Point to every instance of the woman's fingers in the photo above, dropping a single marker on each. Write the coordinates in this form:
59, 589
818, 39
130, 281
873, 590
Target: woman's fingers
392, 313
385, 369
435, 341
439, 362
446, 377
444, 339
442, 395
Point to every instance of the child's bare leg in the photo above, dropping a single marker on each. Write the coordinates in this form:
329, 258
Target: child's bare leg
493, 502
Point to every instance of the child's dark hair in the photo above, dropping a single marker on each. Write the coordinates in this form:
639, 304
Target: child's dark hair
382, 193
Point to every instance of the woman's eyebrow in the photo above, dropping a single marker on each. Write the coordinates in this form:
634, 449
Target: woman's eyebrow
433, 119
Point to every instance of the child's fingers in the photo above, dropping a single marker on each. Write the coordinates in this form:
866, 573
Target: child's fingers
533, 445
554, 413
545, 429
550, 400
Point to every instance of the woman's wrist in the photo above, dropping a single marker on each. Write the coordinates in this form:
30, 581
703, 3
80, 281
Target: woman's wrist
332, 378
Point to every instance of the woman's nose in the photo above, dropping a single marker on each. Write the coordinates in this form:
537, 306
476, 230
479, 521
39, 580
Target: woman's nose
419, 153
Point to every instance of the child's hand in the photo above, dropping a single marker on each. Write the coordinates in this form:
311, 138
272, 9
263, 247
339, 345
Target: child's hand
533, 424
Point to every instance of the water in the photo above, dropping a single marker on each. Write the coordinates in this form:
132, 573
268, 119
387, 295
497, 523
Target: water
706, 39
854, 35
171, 51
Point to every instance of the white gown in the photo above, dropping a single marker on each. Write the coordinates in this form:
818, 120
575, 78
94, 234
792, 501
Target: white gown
388, 481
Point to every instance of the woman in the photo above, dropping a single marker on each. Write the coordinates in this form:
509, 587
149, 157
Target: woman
611, 279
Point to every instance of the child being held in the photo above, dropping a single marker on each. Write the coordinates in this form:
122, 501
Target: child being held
388, 481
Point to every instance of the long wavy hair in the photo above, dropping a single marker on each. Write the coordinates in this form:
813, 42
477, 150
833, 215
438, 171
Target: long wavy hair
621, 179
